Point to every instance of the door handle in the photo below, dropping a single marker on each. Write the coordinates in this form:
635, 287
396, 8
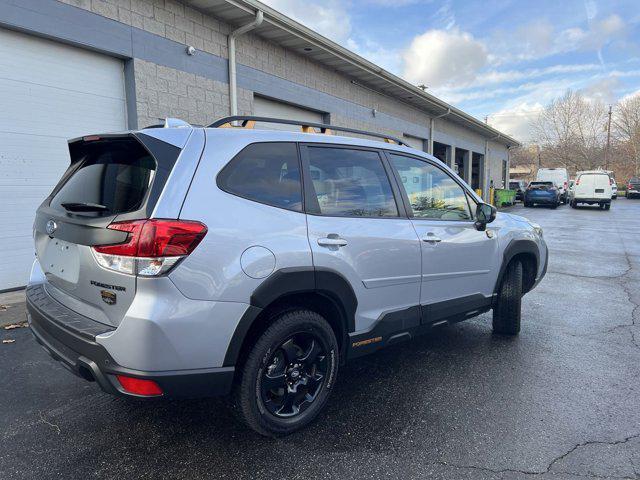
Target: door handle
431, 238
332, 241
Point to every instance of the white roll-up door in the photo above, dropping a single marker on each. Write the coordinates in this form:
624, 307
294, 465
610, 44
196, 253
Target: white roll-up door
264, 107
49, 92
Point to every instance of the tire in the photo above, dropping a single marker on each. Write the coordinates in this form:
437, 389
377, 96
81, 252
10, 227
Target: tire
275, 416
528, 204
507, 312
573, 204
607, 206
555, 205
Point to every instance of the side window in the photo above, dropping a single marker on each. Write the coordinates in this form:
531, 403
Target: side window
350, 183
432, 192
267, 173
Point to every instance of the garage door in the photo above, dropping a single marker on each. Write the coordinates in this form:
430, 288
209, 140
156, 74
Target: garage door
264, 107
414, 142
49, 92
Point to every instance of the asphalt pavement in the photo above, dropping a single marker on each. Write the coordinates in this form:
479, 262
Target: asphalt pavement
561, 401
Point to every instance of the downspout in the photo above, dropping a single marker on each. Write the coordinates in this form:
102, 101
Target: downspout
432, 123
487, 167
233, 87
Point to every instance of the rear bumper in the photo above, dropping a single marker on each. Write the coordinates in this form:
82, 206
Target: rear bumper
70, 339
592, 200
546, 200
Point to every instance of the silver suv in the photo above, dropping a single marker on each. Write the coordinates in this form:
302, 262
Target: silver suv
183, 261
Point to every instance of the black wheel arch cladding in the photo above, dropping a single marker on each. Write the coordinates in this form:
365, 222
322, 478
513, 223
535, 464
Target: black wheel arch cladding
290, 281
518, 247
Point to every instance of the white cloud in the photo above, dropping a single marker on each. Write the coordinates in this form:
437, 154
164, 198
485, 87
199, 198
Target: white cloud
517, 121
540, 39
443, 58
602, 90
329, 18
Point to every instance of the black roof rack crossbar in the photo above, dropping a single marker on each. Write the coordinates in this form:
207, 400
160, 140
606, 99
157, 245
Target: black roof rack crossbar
248, 121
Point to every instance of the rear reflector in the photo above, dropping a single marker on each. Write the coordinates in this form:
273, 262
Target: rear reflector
139, 386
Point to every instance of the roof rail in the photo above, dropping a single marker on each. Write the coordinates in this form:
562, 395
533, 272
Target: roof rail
248, 121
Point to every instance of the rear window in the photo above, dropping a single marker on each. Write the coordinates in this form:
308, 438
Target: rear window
115, 174
541, 184
266, 173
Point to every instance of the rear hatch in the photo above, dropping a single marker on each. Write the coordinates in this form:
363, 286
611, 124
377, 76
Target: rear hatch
111, 178
593, 185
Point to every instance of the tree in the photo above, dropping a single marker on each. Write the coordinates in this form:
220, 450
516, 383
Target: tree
570, 131
626, 124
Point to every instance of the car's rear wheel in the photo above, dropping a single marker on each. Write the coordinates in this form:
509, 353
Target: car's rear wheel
607, 206
506, 313
288, 375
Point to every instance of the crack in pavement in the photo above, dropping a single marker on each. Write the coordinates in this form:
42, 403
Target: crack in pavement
44, 420
551, 464
624, 283
594, 277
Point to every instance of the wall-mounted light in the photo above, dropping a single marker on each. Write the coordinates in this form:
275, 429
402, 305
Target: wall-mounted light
191, 50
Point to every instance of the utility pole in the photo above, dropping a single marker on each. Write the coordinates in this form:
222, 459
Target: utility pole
606, 151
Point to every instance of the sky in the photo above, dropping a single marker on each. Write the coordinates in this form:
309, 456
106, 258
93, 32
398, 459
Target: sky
504, 59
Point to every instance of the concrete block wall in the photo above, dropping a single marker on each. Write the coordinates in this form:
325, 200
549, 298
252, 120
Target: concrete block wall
272, 71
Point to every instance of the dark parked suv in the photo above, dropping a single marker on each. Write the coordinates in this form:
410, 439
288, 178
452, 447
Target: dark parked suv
542, 193
633, 187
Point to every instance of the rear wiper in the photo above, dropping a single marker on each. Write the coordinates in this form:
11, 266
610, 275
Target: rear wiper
84, 207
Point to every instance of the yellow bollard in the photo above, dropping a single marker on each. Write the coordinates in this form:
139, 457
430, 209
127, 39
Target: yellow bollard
492, 192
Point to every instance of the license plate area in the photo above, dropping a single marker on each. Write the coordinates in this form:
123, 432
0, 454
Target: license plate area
61, 260
599, 190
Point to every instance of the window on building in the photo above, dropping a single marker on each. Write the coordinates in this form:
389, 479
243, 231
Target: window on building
350, 183
267, 173
435, 194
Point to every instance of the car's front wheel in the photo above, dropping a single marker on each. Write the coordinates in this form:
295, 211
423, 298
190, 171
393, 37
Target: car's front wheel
288, 375
506, 313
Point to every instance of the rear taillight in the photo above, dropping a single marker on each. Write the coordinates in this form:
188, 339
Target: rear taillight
577, 182
152, 247
565, 185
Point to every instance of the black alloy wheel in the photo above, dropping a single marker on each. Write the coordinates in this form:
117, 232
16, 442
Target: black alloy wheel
294, 375
288, 374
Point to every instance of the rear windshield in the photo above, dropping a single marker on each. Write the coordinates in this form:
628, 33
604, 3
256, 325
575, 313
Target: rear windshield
114, 174
541, 184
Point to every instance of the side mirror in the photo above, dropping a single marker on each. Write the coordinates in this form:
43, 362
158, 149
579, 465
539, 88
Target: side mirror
485, 213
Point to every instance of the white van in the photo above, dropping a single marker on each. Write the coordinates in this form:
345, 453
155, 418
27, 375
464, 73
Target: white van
559, 177
592, 187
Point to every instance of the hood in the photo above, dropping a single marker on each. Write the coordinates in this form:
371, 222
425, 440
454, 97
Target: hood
512, 217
